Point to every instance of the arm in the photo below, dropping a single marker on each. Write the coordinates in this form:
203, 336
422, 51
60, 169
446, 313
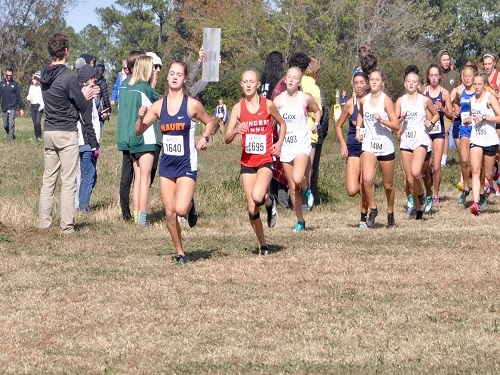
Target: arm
393, 122
359, 120
400, 116
114, 95
105, 96
88, 127
198, 112
195, 69
312, 106
147, 117
495, 106
273, 111
232, 129
432, 110
447, 110
76, 95
197, 87
348, 109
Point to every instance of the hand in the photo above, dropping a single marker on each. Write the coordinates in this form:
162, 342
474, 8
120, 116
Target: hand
359, 136
201, 54
202, 144
88, 92
478, 118
276, 149
377, 116
429, 125
112, 102
142, 111
241, 129
344, 151
403, 115
314, 128
95, 154
21, 112
467, 120
40, 109
438, 105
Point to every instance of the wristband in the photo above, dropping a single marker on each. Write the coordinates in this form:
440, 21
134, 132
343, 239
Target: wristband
207, 138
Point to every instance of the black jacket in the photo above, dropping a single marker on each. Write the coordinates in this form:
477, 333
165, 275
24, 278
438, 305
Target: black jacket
63, 98
10, 95
102, 102
88, 133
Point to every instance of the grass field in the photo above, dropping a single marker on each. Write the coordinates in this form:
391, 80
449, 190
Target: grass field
424, 298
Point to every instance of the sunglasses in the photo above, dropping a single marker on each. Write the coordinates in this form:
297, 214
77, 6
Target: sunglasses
8, 75
157, 66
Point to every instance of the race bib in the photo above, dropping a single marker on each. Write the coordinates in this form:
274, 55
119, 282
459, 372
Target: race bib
173, 145
437, 128
290, 138
376, 145
255, 144
480, 131
464, 116
411, 134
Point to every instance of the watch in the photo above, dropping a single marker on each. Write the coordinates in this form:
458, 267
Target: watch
484, 117
207, 138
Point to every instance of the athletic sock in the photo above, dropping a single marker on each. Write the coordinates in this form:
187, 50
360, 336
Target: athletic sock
136, 216
142, 218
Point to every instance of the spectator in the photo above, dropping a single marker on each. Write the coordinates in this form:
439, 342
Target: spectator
343, 98
11, 98
222, 114
157, 65
124, 73
89, 59
102, 101
36, 100
64, 100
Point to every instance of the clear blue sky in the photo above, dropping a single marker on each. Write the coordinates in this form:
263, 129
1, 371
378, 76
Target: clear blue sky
84, 13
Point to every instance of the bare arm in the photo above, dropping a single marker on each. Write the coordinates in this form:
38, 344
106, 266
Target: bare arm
232, 130
433, 111
147, 117
447, 110
393, 122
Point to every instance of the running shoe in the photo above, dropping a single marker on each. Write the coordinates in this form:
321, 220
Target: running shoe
475, 209
435, 201
391, 223
496, 175
460, 186
309, 198
300, 226
483, 201
272, 213
179, 260
362, 225
264, 250
410, 206
419, 215
463, 196
428, 204
370, 221
192, 215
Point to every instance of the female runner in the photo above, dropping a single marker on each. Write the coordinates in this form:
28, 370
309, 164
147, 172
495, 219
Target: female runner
377, 114
254, 115
441, 99
351, 149
179, 162
485, 113
462, 98
411, 109
293, 106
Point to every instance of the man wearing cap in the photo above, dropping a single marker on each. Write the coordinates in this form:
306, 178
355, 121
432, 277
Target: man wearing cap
64, 99
11, 99
449, 80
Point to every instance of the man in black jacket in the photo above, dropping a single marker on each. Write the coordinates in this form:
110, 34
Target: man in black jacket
11, 99
64, 99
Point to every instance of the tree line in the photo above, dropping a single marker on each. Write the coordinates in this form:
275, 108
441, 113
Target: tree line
400, 32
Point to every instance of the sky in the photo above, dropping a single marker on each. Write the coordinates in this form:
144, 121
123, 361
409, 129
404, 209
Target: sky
84, 13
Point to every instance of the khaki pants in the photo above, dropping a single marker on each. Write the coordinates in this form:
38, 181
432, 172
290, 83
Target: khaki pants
61, 153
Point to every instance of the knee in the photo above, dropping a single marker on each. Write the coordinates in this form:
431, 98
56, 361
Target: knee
297, 180
258, 198
390, 185
170, 214
475, 169
352, 191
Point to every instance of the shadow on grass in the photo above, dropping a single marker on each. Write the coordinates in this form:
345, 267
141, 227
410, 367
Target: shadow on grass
273, 248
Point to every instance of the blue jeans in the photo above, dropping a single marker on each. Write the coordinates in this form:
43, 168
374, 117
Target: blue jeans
88, 176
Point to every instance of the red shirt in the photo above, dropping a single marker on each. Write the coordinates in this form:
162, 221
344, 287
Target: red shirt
257, 142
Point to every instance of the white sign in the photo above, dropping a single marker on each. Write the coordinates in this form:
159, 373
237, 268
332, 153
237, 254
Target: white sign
211, 44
